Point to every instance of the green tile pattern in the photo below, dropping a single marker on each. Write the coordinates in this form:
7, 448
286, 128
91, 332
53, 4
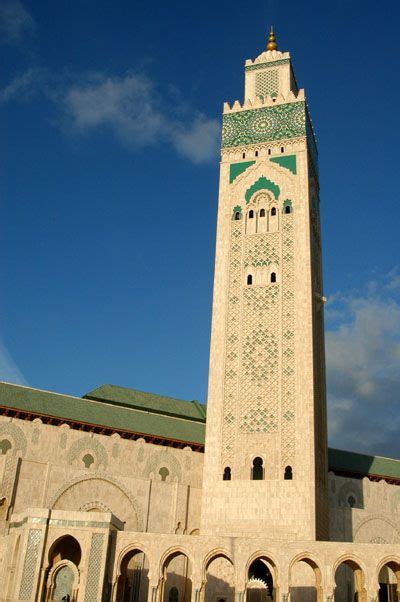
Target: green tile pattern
280, 122
237, 168
266, 65
262, 183
287, 161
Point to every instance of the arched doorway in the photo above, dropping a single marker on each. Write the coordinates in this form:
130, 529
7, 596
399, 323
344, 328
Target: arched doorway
220, 579
305, 581
260, 584
133, 582
389, 582
176, 573
349, 582
62, 573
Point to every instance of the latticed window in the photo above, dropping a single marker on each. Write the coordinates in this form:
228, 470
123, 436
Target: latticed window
267, 83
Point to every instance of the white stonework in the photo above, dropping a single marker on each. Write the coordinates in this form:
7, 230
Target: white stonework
86, 516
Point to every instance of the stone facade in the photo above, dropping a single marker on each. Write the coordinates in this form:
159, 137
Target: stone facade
90, 512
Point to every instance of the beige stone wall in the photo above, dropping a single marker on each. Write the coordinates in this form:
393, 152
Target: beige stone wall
45, 468
364, 511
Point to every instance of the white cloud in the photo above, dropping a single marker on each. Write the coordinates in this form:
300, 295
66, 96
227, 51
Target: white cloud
363, 377
129, 107
15, 21
198, 142
126, 105
9, 370
133, 110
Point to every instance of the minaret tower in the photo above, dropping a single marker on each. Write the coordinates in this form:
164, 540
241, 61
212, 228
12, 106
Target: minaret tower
265, 470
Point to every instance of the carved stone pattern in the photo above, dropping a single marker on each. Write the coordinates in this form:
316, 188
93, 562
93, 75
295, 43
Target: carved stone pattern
30, 562
104, 477
17, 435
160, 459
288, 346
63, 440
260, 341
94, 568
95, 504
9, 477
115, 450
264, 124
267, 83
88, 443
232, 356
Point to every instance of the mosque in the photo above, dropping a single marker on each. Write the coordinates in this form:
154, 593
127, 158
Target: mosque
127, 496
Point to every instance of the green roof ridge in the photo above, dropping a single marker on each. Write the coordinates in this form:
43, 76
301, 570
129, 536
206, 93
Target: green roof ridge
148, 402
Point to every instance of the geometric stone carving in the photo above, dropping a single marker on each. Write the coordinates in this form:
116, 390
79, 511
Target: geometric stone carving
94, 568
30, 562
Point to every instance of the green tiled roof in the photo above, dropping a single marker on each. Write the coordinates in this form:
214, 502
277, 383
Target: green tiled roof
139, 418
362, 464
139, 400
131, 411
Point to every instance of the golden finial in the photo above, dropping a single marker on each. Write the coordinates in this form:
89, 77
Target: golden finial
272, 45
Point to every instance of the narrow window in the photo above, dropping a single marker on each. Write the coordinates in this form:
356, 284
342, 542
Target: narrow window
88, 460
227, 474
257, 473
163, 472
273, 277
5, 446
173, 595
351, 500
262, 212
269, 151
249, 279
244, 155
282, 149
251, 214
287, 209
273, 211
237, 216
256, 153
288, 473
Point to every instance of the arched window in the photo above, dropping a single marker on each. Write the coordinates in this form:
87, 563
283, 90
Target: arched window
163, 472
173, 595
273, 277
227, 474
288, 209
251, 214
88, 460
249, 279
244, 155
273, 211
262, 212
282, 149
288, 473
237, 215
269, 151
5, 446
351, 500
256, 153
257, 472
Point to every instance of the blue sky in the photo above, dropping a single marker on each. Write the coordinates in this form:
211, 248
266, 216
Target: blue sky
111, 121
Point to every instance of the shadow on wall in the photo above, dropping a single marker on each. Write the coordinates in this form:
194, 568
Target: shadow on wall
218, 590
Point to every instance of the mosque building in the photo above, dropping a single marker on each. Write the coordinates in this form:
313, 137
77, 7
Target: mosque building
127, 496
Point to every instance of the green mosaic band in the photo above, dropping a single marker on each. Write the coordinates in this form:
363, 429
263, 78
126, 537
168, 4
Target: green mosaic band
265, 124
265, 65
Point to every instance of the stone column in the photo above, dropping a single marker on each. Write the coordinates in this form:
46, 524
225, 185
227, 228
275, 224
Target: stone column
240, 596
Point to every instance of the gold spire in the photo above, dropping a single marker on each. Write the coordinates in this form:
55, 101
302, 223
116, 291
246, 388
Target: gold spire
272, 45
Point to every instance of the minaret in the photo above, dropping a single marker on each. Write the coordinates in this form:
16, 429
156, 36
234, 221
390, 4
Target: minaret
265, 468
